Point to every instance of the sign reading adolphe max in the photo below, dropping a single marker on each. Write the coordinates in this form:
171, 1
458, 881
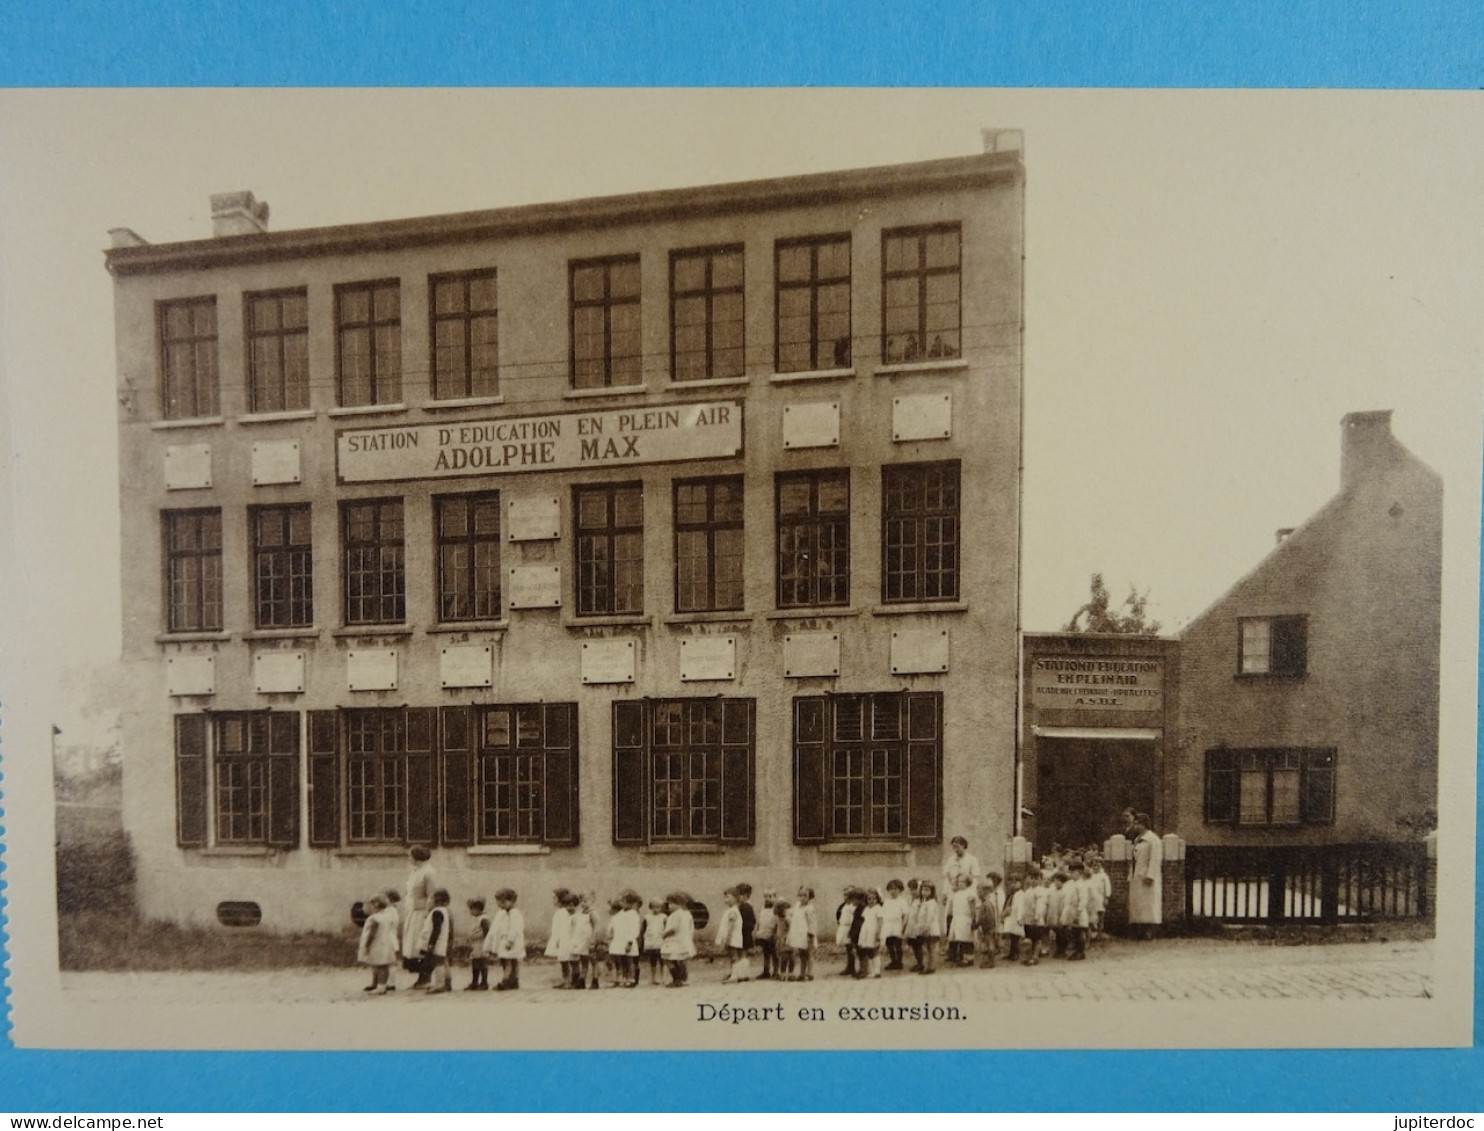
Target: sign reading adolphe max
549, 442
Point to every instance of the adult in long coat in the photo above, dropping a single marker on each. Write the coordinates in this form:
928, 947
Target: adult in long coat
1145, 889
417, 902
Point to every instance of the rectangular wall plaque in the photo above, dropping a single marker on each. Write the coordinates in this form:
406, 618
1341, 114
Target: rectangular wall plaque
278, 672
467, 665
608, 661
535, 586
811, 425
708, 657
373, 669
191, 675
275, 461
535, 518
918, 651
811, 654
922, 416
187, 466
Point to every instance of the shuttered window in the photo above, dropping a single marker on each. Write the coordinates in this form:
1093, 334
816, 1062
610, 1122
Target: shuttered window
237, 779
868, 767
1270, 787
683, 770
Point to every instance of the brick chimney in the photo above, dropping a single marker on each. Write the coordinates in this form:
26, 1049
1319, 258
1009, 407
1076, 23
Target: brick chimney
1366, 446
237, 214
1003, 141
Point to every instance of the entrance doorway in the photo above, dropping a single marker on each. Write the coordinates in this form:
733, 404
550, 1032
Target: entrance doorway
1084, 784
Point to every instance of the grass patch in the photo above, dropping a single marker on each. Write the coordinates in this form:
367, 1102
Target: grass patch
97, 940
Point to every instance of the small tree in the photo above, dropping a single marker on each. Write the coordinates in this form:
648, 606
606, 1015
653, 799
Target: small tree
1128, 618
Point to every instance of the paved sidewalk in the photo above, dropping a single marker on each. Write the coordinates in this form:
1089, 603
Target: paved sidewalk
1188, 970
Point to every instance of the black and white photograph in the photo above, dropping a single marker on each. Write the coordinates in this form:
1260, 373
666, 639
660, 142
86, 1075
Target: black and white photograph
554, 569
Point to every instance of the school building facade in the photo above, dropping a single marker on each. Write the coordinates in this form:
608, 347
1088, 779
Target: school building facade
658, 541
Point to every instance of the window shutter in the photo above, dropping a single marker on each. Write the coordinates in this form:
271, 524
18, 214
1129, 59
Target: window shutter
1319, 787
924, 806
421, 818
324, 779
1290, 644
456, 784
737, 723
561, 774
1221, 786
809, 770
190, 780
630, 779
283, 779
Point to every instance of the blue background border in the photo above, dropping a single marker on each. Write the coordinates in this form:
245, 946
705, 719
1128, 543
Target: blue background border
1437, 44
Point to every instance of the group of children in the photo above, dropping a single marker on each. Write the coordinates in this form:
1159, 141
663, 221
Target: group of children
1052, 909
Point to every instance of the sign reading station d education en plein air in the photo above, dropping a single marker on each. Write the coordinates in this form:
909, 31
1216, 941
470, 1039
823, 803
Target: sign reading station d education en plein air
550, 442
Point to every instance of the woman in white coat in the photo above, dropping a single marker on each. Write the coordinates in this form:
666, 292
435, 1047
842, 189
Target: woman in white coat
1145, 889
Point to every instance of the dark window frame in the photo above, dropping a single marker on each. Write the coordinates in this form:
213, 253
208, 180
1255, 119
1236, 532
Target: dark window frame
384, 376
917, 348
709, 528
539, 738
292, 395
485, 602
838, 358
797, 541
1225, 766
269, 741
917, 537
376, 779
464, 373
287, 569
606, 595
1288, 648
607, 303
391, 585
708, 292
201, 609
192, 389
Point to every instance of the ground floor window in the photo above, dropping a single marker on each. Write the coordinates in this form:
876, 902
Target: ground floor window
868, 767
1270, 786
683, 770
237, 779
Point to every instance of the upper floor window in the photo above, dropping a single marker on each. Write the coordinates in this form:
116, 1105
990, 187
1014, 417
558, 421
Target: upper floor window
920, 302
610, 548
465, 314
813, 538
607, 349
812, 277
283, 566
468, 533
188, 359
368, 335
1276, 646
709, 544
375, 566
706, 324
193, 570
278, 351
1270, 786
919, 532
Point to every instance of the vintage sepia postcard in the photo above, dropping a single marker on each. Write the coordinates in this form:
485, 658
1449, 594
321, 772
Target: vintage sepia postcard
773, 569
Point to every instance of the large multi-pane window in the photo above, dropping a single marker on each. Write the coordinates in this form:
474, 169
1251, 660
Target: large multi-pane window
525, 766
1279, 786
1273, 646
277, 351
868, 767
920, 296
706, 323
812, 280
468, 533
283, 566
237, 778
609, 548
375, 566
376, 774
919, 532
709, 544
193, 570
607, 348
189, 385
813, 538
465, 335
683, 770
368, 335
